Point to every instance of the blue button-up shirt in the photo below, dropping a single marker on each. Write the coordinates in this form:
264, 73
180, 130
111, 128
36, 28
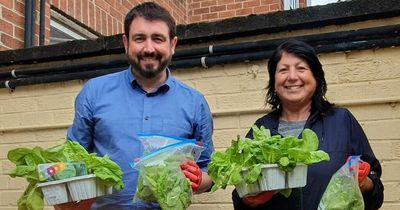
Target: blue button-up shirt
110, 110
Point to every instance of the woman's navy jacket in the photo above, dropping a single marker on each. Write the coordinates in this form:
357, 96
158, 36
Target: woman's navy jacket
340, 135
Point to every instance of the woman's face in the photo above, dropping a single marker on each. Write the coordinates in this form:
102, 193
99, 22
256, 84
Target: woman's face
294, 81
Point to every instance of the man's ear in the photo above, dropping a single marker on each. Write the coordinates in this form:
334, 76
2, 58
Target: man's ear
173, 44
125, 41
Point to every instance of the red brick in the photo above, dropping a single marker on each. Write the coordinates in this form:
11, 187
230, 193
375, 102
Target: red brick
261, 10
226, 14
274, 7
11, 42
245, 11
70, 8
267, 2
208, 3
3, 47
104, 28
6, 27
85, 12
211, 16
19, 33
115, 26
19, 7
78, 10
128, 5
234, 6
8, 4
253, 3
47, 13
103, 5
13, 17
97, 22
218, 8
63, 5
109, 25
194, 19
201, 11
225, 2
91, 19
194, 6
120, 27
47, 35
111, 3
55, 3
116, 14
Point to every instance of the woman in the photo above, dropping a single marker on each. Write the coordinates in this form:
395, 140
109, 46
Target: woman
296, 92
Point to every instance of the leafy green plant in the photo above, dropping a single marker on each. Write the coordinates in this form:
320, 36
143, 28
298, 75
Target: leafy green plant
343, 191
166, 185
26, 161
226, 166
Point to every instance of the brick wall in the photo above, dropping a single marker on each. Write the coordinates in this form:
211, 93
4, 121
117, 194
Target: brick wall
364, 81
102, 16
211, 10
11, 24
106, 16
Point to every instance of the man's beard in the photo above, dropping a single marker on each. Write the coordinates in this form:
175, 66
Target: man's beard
149, 71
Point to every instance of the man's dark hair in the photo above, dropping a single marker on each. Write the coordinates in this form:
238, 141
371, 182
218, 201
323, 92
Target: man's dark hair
150, 11
307, 53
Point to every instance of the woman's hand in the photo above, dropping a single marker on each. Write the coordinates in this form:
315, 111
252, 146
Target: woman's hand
260, 198
364, 181
81, 205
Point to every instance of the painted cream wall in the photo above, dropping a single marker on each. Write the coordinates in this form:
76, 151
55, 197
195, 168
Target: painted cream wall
367, 82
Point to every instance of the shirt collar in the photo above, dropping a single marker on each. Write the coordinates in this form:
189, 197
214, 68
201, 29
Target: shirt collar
165, 87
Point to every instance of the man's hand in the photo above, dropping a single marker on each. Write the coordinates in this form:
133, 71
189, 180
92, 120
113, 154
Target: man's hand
260, 198
193, 172
81, 205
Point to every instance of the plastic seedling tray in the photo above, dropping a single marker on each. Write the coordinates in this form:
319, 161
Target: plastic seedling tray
73, 189
272, 178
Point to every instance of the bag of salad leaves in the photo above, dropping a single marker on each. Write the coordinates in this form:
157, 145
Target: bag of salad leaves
343, 191
160, 177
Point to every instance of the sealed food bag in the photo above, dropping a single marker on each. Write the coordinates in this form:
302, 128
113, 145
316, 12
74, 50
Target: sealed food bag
343, 191
152, 142
160, 177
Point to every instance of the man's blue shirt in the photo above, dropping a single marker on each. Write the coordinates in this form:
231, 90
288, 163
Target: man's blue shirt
110, 110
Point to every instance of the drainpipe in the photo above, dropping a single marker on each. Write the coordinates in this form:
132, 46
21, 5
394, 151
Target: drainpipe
29, 23
42, 22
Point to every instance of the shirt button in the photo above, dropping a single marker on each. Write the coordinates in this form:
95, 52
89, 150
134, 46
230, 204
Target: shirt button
146, 118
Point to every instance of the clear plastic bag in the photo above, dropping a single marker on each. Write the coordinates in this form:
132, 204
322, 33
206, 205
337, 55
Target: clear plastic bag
160, 177
343, 191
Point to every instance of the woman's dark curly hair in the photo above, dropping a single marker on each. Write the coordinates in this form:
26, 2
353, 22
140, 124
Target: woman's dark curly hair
307, 53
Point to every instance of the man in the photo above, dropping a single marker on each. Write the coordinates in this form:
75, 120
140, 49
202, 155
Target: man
111, 110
